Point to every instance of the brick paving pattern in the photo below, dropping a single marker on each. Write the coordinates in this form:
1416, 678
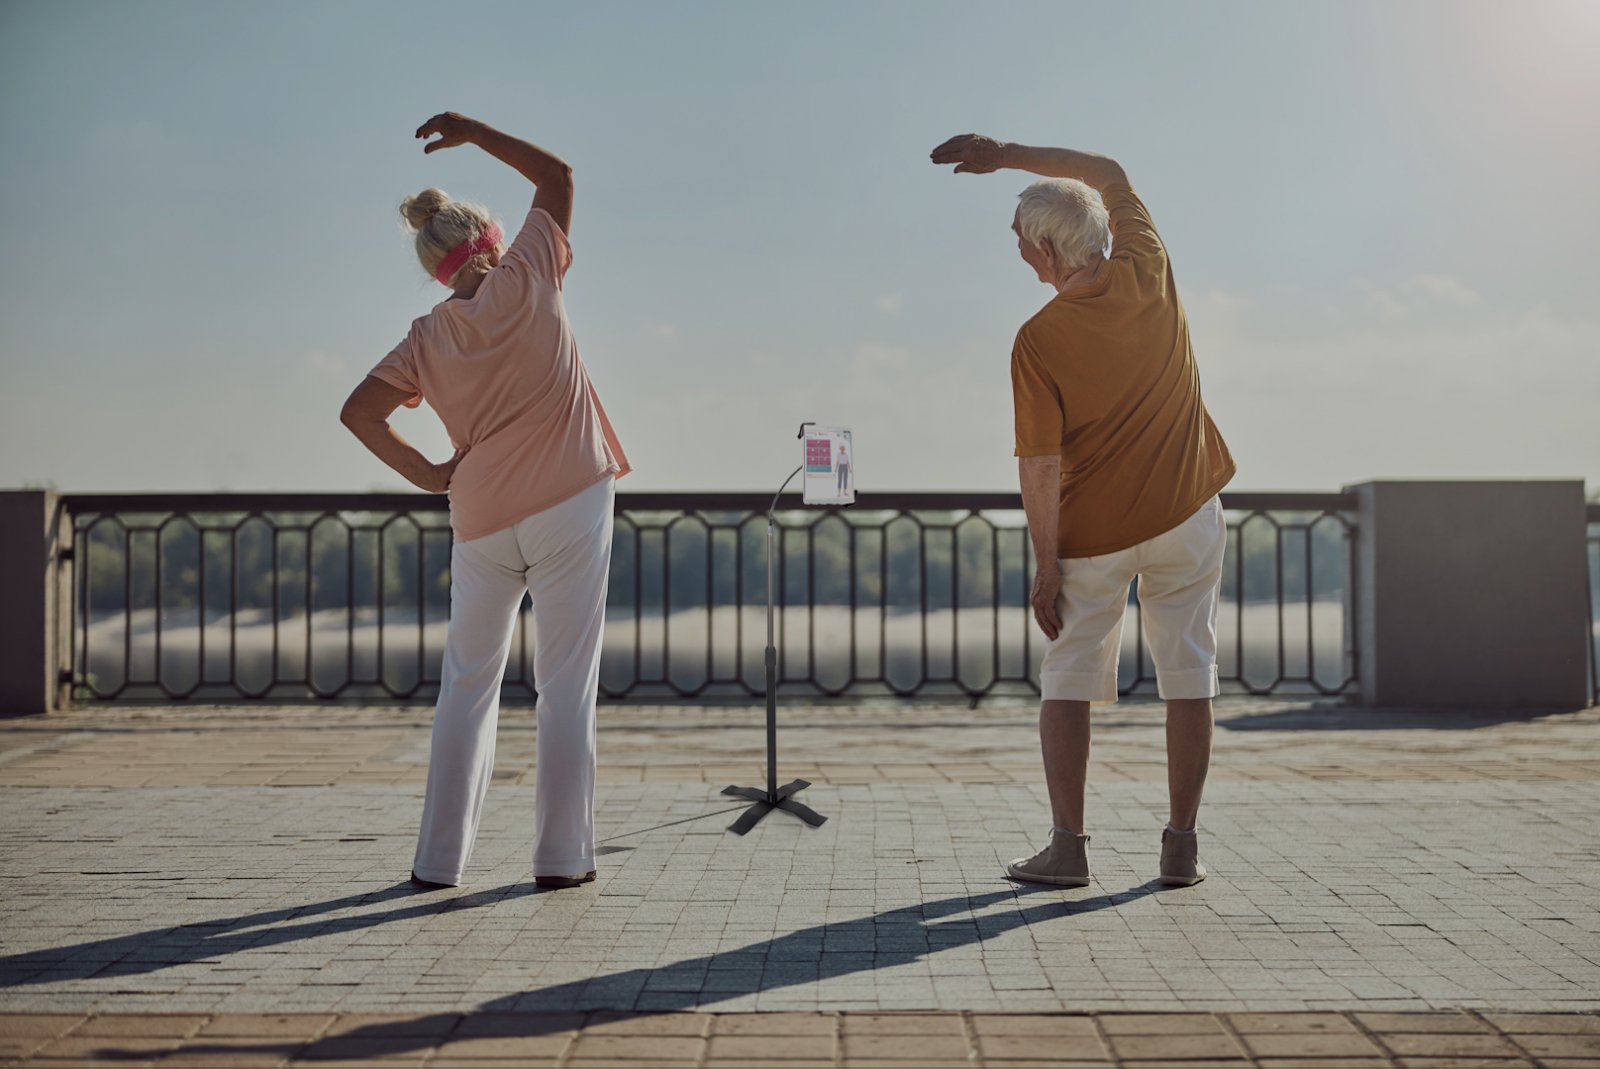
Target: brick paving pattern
1268, 1040
1387, 889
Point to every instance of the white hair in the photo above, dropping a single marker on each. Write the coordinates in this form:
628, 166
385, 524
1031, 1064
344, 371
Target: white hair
1067, 213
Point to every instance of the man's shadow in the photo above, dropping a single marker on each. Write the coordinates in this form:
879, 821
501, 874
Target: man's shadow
811, 955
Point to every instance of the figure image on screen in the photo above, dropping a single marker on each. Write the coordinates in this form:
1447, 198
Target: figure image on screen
829, 466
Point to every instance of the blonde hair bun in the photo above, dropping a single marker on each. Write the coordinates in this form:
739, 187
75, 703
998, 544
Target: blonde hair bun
441, 224
417, 210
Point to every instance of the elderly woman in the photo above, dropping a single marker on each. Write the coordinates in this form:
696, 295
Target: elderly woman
530, 489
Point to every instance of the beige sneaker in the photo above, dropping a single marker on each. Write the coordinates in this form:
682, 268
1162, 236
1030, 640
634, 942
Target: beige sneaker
1063, 863
1180, 860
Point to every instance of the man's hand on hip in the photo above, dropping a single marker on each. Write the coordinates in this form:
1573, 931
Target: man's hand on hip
1046, 588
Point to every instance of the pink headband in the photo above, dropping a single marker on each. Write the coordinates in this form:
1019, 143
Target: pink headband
465, 251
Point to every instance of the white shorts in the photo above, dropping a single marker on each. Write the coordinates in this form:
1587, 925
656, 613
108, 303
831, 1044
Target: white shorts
1180, 573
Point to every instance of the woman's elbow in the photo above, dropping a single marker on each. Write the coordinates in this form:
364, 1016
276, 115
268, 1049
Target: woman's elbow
351, 415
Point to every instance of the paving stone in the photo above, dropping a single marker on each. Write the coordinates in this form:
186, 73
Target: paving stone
1008, 1024
1561, 1046
122, 1026
226, 1059
1420, 1022
1323, 1063
1185, 1062
1450, 1045
1312, 1045
752, 1048
516, 1024
1143, 1024
1042, 1047
105, 1047
1170, 1045
906, 1048
361, 1063
624, 1047
900, 1024
1543, 1023
1464, 1062
38, 1025
508, 1047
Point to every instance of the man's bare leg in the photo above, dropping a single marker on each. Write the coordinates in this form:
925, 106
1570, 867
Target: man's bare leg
1064, 738
1188, 758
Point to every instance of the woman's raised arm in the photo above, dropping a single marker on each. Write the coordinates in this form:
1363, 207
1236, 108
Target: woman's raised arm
549, 172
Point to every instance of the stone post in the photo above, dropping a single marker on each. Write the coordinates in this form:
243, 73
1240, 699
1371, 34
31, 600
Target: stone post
1472, 594
35, 602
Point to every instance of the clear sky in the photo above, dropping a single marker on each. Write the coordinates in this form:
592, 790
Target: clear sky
1382, 217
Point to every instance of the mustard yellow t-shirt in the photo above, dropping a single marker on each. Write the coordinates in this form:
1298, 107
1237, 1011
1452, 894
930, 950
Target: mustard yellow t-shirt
1104, 376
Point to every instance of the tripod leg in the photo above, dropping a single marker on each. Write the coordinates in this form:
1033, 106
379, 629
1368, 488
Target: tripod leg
790, 788
750, 817
805, 813
755, 794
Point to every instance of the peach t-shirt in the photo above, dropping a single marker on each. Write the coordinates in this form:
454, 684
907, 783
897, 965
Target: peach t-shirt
502, 371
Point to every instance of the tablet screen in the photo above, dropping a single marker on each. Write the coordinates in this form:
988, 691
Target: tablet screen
830, 476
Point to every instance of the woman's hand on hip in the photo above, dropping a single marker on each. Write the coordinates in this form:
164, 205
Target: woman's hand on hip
452, 129
443, 473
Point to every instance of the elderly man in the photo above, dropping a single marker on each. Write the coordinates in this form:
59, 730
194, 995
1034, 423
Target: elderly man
1120, 467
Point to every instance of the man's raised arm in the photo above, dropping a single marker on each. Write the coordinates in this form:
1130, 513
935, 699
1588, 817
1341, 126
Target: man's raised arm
977, 154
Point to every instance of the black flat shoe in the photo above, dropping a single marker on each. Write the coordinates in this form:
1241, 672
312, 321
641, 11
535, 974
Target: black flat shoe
561, 881
432, 886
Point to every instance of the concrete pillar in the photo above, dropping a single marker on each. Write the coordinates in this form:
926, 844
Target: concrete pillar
1472, 594
35, 602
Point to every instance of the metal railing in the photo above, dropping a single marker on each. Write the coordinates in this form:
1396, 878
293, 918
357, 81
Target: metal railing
284, 597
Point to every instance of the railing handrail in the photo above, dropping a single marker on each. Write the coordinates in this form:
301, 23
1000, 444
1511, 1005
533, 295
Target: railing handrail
649, 500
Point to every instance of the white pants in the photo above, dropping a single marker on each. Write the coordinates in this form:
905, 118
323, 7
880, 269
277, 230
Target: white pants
562, 558
1180, 572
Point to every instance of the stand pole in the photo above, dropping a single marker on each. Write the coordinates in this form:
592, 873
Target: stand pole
774, 797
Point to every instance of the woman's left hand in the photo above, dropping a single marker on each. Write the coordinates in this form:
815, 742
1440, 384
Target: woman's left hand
452, 129
443, 473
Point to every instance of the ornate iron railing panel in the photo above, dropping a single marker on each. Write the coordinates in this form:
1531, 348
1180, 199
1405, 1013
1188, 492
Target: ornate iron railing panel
227, 597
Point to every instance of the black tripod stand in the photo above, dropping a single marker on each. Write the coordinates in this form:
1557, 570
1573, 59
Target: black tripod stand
774, 796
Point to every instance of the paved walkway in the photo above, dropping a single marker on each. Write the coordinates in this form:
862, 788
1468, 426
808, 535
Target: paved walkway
1389, 886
